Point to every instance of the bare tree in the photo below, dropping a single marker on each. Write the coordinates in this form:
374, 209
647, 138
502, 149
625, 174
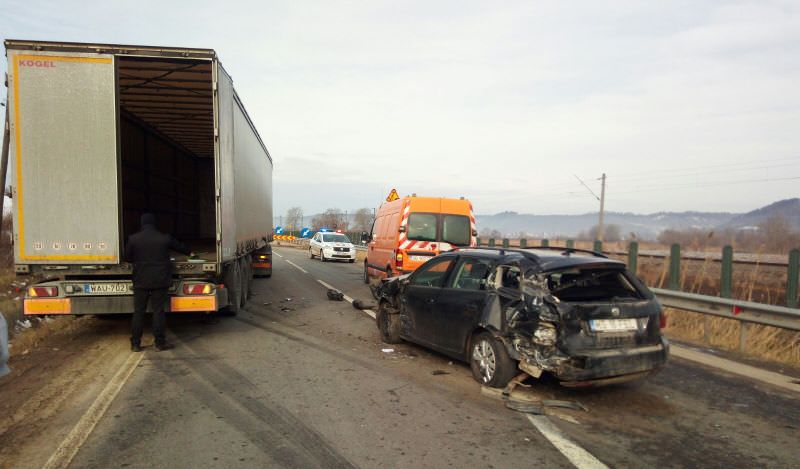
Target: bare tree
332, 218
294, 218
362, 220
611, 233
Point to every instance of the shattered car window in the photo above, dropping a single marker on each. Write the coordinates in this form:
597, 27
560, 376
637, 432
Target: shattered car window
592, 284
471, 273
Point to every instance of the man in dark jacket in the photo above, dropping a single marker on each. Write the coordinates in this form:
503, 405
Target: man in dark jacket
149, 252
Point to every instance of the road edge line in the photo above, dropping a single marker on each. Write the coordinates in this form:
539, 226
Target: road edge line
369, 312
576, 455
66, 451
297, 266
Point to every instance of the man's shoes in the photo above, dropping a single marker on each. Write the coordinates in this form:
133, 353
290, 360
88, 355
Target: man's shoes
136, 348
164, 346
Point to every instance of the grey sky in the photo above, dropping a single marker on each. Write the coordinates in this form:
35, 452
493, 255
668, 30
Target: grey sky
683, 104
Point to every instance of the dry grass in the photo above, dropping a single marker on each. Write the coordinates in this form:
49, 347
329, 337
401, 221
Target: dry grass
763, 342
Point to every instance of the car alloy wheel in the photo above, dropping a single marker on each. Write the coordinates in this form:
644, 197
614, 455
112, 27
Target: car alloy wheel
484, 357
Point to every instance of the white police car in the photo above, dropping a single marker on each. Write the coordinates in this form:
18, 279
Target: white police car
329, 246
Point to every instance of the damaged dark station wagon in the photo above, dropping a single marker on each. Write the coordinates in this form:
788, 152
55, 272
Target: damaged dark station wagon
575, 314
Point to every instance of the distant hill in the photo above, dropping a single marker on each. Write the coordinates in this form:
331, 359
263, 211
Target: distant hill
788, 208
644, 226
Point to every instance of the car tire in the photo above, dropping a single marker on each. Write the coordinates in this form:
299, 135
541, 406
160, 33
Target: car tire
310, 253
388, 323
322, 256
488, 358
366, 273
351, 260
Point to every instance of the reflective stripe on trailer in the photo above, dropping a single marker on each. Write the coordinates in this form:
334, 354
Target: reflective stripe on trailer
47, 306
186, 304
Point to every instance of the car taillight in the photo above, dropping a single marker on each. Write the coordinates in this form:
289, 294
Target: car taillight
662, 320
42, 291
197, 289
398, 259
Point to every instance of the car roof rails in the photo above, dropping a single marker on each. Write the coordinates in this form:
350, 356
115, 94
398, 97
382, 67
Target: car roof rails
567, 251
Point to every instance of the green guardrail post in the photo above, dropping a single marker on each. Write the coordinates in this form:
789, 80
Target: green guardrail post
491, 242
792, 278
523, 243
478, 240
570, 244
726, 281
675, 267
505, 242
545, 242
598, 246
633, 257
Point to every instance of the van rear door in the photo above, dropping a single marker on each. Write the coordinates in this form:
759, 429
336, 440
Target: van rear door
63, 116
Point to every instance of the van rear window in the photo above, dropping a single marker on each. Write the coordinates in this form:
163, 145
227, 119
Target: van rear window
422, 227
456, 230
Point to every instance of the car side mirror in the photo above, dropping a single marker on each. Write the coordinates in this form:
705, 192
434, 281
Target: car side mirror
365, 237
474, 232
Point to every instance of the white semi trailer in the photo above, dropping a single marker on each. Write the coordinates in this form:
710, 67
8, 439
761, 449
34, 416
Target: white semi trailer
100, 134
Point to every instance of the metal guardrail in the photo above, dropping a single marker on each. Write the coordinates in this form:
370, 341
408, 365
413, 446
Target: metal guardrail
746, 311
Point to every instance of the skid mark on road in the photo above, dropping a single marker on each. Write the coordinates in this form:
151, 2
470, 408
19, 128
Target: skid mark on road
67, 450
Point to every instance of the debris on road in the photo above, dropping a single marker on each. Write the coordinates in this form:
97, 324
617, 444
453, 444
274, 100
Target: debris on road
335, 295
564, 404
439, 372
362, 304
387, 350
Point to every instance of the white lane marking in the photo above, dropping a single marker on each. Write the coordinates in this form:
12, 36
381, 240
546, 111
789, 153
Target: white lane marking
68, 448
347, 298
578, 456
279, 255
769, 377
297, 266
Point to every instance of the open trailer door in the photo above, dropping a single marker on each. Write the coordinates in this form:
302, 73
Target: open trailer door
64, 121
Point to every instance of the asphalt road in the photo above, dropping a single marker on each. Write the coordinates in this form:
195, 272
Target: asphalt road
297, 380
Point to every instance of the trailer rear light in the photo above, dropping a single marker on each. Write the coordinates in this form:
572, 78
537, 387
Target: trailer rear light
197, 289
662, 320
42, 292
263, 256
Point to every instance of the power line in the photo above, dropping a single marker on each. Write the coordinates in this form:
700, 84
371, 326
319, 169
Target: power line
702, 186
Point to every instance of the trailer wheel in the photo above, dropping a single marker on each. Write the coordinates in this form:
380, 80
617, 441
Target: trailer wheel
233, 282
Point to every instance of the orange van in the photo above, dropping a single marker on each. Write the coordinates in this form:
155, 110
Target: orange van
410, 230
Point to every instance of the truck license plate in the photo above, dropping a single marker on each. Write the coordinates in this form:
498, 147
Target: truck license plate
107, 288
420, 258
613, 325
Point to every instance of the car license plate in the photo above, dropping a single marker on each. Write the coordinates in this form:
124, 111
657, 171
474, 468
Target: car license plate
613, 325
419, 258
107, 288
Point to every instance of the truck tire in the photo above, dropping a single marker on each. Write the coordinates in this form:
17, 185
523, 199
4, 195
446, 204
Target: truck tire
233, 282
247, 278
488, 358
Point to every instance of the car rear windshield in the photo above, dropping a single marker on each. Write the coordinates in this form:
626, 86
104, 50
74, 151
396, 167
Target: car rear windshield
335, 238
422, 226
592, 284
455, 229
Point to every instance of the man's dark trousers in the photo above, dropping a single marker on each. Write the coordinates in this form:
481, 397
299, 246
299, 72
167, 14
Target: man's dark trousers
158, 300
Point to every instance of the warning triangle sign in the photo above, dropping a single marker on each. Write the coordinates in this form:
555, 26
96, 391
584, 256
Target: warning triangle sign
392, 196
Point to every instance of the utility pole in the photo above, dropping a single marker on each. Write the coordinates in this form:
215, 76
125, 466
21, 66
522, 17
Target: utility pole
600, 227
